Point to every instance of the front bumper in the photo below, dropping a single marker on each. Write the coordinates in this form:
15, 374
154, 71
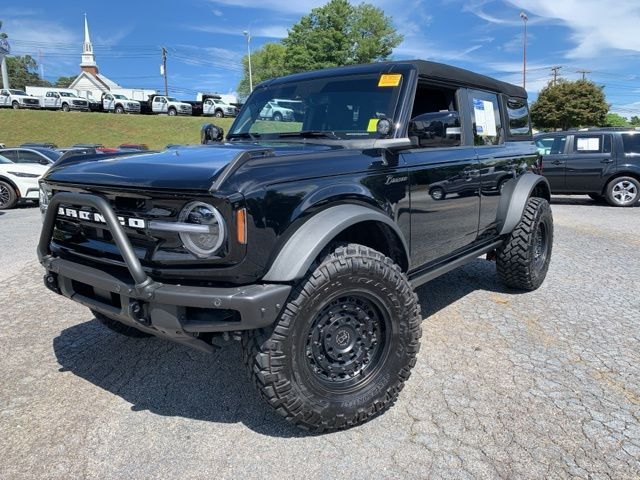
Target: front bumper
29, 105
175, 312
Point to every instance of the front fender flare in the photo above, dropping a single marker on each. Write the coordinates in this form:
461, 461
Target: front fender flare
514, 200
304, 246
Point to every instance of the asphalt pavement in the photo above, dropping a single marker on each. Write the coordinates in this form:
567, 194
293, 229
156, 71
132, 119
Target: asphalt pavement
507, 385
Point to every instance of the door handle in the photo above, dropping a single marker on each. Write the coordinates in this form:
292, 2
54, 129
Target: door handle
606, 160
557, 162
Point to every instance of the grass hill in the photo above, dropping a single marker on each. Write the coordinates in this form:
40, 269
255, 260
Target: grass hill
111, 130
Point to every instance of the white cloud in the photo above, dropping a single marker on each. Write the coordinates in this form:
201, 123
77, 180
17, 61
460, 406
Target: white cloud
596, 25
266, 31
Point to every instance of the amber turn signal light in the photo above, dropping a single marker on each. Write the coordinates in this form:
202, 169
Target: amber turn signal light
241, 226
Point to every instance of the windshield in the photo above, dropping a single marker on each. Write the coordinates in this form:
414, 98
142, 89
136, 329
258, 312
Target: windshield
66, 94
18, 92
172, 99
343, 107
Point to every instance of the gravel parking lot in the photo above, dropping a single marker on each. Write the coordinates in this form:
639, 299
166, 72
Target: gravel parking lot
507, 385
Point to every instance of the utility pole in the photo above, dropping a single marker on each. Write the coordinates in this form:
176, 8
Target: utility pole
248, 35
5, 50
555, 73
524, 18
163, 71
584, 73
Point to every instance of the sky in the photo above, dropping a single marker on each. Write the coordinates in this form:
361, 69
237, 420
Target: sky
205, 40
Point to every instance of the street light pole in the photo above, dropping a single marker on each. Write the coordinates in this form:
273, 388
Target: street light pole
248, 35
524, 18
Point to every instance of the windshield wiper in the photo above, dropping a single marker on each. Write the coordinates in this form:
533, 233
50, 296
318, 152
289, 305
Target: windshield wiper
310, 134
252, 136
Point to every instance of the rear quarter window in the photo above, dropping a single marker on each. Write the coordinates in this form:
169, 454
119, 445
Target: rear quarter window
631, 143
518, 117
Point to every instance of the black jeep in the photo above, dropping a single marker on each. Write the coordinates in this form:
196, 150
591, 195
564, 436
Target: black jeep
305, 240
603, 163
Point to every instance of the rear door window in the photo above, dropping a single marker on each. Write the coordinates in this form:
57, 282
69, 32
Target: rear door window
631, 143
592, 144
551, 145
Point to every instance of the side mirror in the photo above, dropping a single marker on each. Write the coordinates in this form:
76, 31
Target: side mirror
435, 129
209, 133
43, 161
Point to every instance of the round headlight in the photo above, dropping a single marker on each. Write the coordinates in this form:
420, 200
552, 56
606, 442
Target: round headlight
206, 240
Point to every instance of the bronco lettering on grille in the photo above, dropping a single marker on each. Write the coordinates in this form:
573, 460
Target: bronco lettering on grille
98, 218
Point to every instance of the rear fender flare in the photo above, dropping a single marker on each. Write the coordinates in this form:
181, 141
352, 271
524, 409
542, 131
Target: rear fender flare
514, 200
303, 247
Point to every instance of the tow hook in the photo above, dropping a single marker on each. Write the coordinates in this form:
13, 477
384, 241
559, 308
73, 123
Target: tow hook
51, 282
137, 312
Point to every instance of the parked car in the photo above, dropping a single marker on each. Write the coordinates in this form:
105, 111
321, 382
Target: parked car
218, 108
16, 99
18, 181
43, 156
601, 163
272, 110
40, 144
117, 103
169, 105
306, 241
65, 101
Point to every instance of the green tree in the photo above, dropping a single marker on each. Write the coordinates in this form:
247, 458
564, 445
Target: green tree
266, 62
63, 82
570, 104
339, 33
615, 120
23, 71
635, 121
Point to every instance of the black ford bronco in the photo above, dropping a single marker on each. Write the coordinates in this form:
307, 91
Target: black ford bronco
306, 239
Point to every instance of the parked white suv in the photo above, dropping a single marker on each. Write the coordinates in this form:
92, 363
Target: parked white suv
114, 102
170, 106
273, 111
64, 101
10, 97
19, 181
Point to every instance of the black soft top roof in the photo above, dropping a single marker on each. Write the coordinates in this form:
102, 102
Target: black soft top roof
434, 70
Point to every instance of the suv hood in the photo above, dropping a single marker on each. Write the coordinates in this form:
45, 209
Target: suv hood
186, 168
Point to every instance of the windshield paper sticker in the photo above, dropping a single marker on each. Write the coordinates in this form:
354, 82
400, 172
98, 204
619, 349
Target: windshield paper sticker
485, 118
589, 144
390, 80
373, 125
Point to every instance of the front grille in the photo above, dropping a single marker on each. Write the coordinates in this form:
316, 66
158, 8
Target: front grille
30, 101
79, 103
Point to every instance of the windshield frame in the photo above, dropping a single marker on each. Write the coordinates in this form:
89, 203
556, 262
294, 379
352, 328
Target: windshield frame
401, 108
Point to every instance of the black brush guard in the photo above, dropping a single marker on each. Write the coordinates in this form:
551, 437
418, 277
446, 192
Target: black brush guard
171, 311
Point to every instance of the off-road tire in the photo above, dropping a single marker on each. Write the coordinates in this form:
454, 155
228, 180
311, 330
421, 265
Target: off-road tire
8, 196
517, 262
118, 327
283, 372
631, 199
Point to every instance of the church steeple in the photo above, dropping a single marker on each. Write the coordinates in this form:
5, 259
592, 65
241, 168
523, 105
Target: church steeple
88, 63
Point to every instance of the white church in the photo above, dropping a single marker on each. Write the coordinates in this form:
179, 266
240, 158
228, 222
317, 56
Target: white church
91, 83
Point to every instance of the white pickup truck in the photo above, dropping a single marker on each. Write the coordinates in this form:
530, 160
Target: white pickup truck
14, 98
65, 101
169, 105
276, 112
218, 108
115, 102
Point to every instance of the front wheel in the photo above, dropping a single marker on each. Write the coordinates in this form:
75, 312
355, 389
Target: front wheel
219, 114
65, 107
623, 192
8, 196
344, 344
119, 109
172, 112
15, 105
523, 259
277, 117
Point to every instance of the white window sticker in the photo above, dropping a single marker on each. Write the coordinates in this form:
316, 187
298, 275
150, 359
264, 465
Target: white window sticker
485, 118
590, 144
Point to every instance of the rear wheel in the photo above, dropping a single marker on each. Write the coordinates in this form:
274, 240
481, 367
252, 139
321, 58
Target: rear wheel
8, 196
623, 192
344, 344
523, 259
118, 327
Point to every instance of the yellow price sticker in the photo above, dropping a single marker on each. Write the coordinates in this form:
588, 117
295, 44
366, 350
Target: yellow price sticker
390, 80
373, 125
